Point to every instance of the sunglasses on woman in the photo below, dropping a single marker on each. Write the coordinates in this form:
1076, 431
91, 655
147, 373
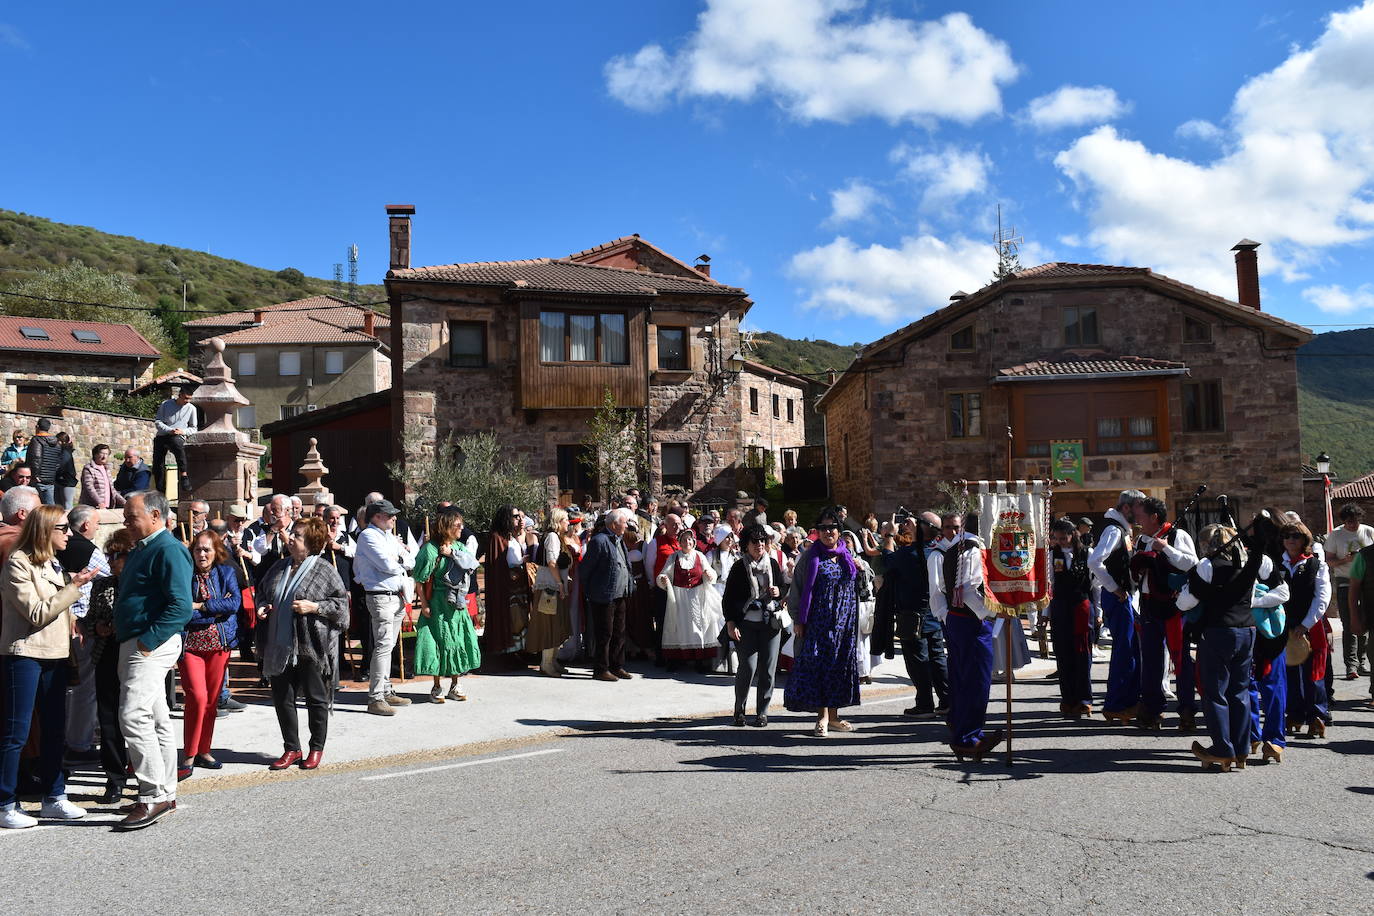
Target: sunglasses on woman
62, 528
827, 527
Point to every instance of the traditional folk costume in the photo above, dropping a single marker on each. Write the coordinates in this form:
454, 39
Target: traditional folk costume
445, 639
1110, 563
825, 667
692, 619
1071, 627
1161, 575
509, 581
955, 568
1269, 677
1309, 596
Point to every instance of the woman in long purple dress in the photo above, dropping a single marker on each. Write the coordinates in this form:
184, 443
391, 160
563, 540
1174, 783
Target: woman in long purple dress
825, 666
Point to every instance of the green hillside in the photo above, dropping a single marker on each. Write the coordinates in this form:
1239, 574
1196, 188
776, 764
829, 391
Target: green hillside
1336, 400
31, 243
804, 357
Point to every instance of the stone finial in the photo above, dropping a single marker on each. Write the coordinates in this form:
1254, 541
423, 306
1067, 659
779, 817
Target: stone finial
218, 397
312, 470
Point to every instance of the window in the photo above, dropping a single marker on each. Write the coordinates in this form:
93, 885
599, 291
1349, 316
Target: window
86, 336
289, 363
1202, 410
574, 474
753, 400
1195, 330
467, 344
672, 349
962, 339
791, 412
1080, 326
583, 337
246, 417
333, 362
677, 465
294, 410
777, 406
248, 364
34, 333
1117, 435
965, 415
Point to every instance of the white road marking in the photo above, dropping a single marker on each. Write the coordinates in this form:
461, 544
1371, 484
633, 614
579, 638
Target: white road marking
465, 763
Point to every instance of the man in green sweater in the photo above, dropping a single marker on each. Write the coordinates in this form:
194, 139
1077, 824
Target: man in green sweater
151, 610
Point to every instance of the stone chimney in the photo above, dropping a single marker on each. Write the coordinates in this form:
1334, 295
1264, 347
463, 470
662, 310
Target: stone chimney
703, 264
1247, 273
370, 323
400, 215
257, 316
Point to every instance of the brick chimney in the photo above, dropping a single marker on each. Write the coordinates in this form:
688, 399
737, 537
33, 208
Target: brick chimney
370, 323
1247, 273
703, 264
400, 215
257, 316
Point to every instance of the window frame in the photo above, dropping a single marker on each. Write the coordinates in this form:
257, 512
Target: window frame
686, 365
753, 400
481, 327
777, 406
598, 314
252, 358
791, 410
1078, 311
964, 395
1202, 387
295, 410
683, 481
972, 339
1196, 322
281, 367
333, 353
252, 411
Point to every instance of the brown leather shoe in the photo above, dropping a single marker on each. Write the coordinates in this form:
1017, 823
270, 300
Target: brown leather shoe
312, 761
605, 676
622, 674
145, 815
285, 760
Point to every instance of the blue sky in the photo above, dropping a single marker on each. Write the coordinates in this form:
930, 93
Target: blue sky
840, 159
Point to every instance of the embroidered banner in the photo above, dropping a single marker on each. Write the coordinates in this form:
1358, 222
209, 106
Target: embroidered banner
1068, 460
1015, 558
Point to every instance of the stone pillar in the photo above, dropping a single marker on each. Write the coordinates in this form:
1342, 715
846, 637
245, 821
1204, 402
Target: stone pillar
224, 460
312, 470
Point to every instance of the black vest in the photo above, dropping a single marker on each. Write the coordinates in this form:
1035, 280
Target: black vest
1118, 562
1302, 590
949, 563
1367, 583
1072, 583
1226, 599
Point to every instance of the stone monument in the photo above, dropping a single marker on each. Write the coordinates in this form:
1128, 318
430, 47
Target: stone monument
312, 471
223, 459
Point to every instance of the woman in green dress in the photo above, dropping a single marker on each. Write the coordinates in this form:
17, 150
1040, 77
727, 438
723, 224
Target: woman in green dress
445, 640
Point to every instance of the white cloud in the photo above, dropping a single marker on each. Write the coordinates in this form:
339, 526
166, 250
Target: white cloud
1075, 106
824, 60
12, 37
1198, 129
892, 284
1337, 300
855, 201
1297, 174
948, 174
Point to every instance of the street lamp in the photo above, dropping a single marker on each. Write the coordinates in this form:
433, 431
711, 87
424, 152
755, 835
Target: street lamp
1323, 463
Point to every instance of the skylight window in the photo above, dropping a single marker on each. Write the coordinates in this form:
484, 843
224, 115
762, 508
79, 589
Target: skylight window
35, 333
87, 336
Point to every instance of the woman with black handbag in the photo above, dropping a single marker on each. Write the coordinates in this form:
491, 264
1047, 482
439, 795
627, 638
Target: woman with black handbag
756, 621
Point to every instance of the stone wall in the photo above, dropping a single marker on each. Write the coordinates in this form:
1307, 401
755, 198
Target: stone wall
1255, 459
58, 369
88, 428
849, 445
438, 400
762, 429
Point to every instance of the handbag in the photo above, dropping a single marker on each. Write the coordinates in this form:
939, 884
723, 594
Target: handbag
1298, 650
548, 602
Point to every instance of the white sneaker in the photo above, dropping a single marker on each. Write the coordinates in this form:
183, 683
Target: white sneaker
15, 819
60, 809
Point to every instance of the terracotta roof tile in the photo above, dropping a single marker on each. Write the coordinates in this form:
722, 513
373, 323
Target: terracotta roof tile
304, 330
563, 275
331, 308
115, 339
636, 240
1091, 366
1359, 488
1067, 269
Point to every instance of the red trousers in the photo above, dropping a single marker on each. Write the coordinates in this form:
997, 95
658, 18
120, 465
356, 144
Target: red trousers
202, 676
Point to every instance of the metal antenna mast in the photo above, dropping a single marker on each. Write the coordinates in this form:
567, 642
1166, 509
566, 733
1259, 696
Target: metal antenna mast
352, 273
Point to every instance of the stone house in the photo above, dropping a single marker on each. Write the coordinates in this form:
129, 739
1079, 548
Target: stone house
527, 348
773, 414
298, 356
40, 355
1165, 385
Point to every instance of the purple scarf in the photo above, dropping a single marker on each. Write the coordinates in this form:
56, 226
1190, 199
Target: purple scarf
810, 564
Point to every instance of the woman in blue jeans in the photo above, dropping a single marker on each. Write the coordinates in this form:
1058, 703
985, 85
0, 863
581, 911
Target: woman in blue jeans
35, 640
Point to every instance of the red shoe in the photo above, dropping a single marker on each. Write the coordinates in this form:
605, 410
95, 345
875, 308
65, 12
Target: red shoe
312, 761
285, 760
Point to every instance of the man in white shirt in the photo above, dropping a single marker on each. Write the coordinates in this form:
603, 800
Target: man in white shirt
1163, 556
1110, 563
175, 420
1341, 546
955, 569
380, 565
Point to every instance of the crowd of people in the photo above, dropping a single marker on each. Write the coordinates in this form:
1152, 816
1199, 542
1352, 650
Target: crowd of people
1232, 624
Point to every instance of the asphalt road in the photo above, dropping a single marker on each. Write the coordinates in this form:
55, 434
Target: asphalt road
691, 815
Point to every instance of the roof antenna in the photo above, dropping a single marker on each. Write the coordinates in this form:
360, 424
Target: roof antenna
1008, 245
